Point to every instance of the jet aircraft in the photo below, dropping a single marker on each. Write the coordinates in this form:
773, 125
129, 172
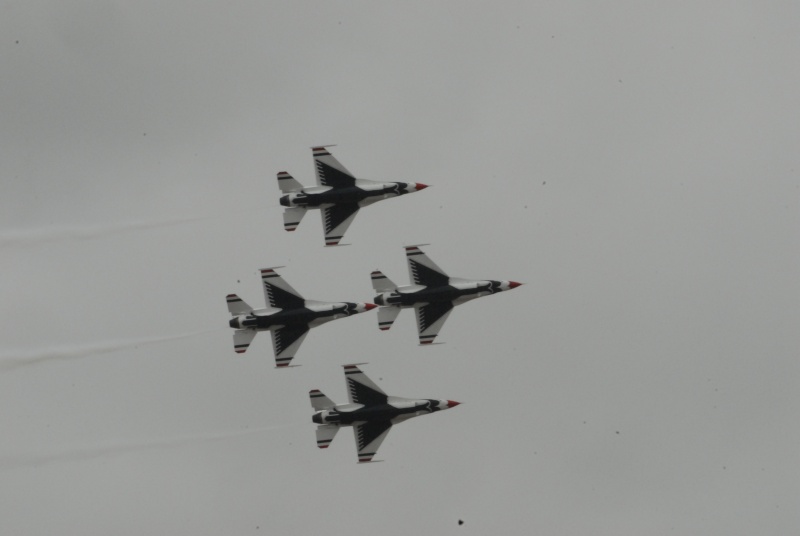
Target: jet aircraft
370, 412
432, 295
338, 194
289, 316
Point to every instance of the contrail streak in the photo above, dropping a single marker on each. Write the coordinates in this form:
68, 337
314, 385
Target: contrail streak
115, 449
30, 237
14, 361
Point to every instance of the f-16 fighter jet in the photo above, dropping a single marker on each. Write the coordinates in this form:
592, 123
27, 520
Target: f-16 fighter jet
370, 412
288, 317
433, 294
338, 195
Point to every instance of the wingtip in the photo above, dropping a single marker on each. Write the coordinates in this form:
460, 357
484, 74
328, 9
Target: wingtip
270, 269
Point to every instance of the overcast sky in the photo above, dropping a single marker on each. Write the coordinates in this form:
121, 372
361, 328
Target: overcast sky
634, 164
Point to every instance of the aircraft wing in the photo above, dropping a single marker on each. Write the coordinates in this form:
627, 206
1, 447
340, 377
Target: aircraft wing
369, 436
329, 171
431, 318
278, 293
286, 341
424, 271
336, 219
362, 390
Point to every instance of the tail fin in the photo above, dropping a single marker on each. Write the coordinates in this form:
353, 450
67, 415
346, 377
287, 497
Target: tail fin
381, 283
237, 306
325, 434
319, 401
287, 183
292, 217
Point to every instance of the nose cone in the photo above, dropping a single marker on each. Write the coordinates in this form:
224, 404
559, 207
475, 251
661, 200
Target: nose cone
419, 186
452, 403
513, 284
369, 306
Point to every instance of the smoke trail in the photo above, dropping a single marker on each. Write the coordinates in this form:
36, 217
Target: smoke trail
10, 362
115, 449
30, 237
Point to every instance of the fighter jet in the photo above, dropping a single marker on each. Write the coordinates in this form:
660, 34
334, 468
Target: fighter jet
370, 412
288, 317
338, 195
433, 294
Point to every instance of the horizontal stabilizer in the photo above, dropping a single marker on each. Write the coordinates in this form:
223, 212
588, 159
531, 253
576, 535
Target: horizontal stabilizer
287, 183
237, 306
319, 401
242, 339
381, 283
325, 434
292, 217
387, 316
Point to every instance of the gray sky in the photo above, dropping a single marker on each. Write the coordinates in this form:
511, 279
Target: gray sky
634, 164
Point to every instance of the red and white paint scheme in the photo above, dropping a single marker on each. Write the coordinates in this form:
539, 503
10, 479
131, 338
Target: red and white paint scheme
433, 294
338, 195
370, 412
288, 316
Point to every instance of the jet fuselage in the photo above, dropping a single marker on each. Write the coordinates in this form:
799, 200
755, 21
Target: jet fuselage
261, 320
362, 195
397, 409
455, 292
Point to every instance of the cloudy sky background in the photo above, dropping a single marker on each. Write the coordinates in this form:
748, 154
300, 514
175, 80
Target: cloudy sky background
634, 164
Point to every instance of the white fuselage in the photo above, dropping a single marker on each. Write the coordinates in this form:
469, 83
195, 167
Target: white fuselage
458, 291
396, 410
313, 314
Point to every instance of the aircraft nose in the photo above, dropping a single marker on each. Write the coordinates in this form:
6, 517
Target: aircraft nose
452, 403
419, 186
513, 284
369, 306
234, 323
